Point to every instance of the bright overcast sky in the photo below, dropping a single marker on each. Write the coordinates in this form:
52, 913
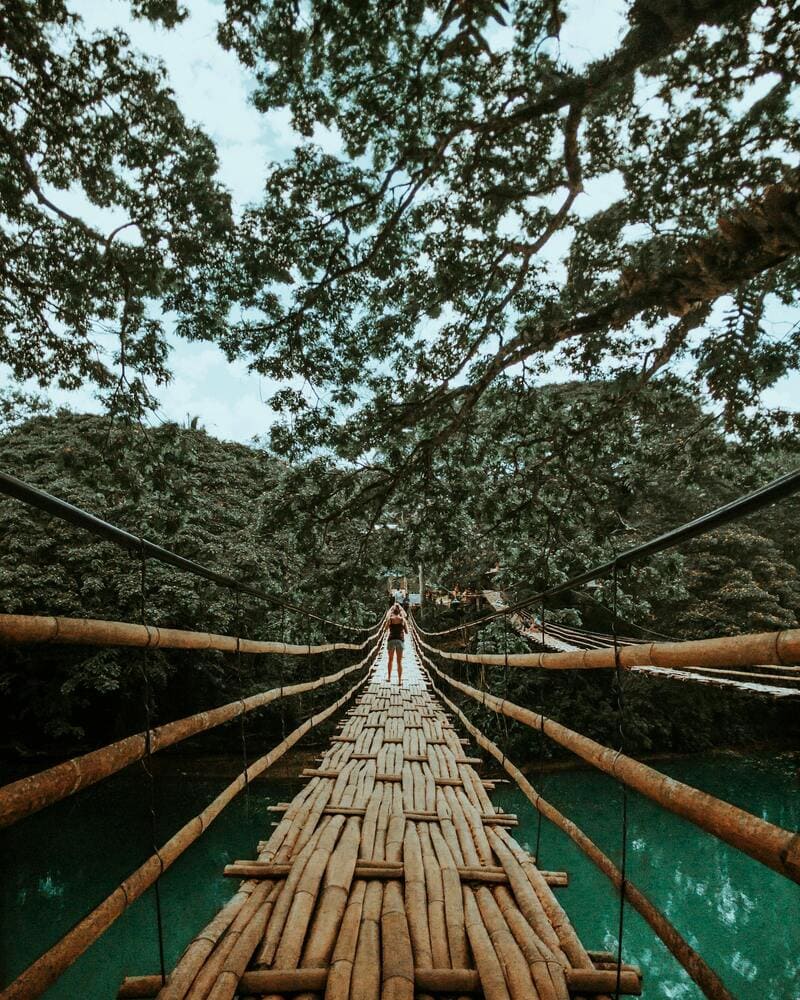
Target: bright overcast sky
212, 89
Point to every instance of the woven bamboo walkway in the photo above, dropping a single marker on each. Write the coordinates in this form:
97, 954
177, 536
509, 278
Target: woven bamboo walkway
391, 875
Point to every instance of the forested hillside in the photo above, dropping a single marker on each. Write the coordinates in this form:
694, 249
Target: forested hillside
287, 528
225, 505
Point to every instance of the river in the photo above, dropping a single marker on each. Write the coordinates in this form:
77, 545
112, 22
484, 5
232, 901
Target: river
743, 918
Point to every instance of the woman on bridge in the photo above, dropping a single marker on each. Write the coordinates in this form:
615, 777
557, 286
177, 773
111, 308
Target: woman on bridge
396, 641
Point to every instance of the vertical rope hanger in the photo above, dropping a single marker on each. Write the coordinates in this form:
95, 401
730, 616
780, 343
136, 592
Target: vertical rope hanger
505, 687
282, 667
241, 701
307, 666
541, 755
624, 825
147, 762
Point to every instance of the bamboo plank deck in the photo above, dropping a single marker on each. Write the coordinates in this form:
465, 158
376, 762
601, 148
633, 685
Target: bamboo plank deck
386, 877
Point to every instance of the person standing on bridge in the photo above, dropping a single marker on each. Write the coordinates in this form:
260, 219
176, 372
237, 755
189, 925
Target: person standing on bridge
397, 640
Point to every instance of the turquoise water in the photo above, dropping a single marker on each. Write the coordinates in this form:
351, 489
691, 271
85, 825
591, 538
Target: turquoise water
61, 862
742, 917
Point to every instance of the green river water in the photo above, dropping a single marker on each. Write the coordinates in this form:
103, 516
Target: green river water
743, 918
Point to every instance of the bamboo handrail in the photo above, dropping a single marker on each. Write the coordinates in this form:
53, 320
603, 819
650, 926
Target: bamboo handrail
16, 629
773, 846
42, 973
694, 964
727, 651
28, 795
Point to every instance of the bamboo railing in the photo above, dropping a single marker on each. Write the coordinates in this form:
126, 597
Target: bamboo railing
39, 976
694, 964
28, 795
16, 629
728, 651
773, 846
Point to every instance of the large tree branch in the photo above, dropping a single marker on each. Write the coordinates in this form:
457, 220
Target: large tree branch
660, 27
753, 240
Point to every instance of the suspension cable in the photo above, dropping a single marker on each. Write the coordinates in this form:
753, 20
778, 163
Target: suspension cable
34, 497
770, 493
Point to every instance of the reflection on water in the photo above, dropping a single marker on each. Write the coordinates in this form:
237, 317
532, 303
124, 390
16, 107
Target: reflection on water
743, 918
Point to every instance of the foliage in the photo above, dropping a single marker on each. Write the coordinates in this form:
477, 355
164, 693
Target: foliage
224, 505
83, 117
249, 514
485, 205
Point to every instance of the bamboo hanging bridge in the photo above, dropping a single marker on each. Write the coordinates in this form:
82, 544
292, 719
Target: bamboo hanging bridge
392, 875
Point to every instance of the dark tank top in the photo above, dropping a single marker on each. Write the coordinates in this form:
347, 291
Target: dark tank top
397, 630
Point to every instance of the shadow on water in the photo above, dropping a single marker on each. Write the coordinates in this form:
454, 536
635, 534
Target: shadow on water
743, 918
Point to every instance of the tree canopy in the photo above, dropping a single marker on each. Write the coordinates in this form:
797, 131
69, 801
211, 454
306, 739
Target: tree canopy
485, 204
83, 294
495, 208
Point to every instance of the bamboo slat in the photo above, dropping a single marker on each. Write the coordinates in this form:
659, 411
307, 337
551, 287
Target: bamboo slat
449, 981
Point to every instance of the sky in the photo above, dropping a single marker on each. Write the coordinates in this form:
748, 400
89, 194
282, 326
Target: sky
213, 89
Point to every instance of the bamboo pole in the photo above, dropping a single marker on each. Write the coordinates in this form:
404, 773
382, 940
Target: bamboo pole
18, 629
227, 982
778, 648
692, 676
773, 846
449, 981
28, 795
198, 950
700, 972
45, 970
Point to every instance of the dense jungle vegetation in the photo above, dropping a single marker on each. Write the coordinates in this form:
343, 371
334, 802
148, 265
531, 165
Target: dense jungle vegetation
520, 304
249, 513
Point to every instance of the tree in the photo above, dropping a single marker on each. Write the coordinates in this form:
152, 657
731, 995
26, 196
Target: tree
410, 270
227, 506
86, 115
